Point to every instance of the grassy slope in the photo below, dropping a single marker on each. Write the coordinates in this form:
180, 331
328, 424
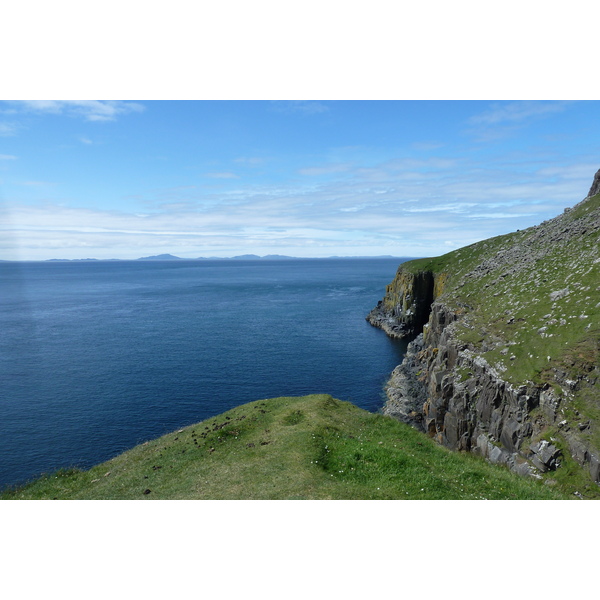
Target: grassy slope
312, 447
505, 311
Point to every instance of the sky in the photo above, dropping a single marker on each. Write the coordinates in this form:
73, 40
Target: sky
125, 179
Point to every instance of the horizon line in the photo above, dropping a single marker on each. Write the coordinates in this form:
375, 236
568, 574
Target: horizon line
248, 257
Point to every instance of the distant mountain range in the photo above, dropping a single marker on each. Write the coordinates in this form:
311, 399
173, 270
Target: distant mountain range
163, 257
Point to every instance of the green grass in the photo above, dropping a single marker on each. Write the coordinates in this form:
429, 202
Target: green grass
312, 447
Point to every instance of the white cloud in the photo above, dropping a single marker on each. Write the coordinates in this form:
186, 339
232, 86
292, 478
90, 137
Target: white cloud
455, 208
354, 208
91, 110
7, 157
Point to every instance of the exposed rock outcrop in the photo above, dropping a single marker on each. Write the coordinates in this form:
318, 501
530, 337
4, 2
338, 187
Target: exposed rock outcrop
595, 189
405, 308
505, 362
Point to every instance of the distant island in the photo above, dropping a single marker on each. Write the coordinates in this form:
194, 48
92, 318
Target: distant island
170, 257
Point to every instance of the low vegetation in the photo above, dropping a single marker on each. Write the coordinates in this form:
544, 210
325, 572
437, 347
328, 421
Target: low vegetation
311, 447
532, 298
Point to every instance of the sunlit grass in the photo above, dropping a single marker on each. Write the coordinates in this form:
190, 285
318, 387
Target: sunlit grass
312, 447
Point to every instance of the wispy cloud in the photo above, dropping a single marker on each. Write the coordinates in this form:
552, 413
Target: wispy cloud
517, 112
90, 110
459, 208
579, 171
326, 169
503, 120
252, 161
8, 129
7, 157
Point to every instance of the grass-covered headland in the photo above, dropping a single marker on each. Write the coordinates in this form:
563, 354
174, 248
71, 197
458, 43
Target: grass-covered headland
311, 447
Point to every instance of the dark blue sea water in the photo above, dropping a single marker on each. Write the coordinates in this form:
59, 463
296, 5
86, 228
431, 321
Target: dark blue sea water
96, 357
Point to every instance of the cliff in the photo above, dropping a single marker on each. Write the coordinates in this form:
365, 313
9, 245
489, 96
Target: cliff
505, 357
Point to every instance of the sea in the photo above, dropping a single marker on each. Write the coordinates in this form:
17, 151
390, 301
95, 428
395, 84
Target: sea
99, 356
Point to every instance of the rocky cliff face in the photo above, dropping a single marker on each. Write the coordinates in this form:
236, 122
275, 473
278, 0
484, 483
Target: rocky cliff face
506, 357
405, 308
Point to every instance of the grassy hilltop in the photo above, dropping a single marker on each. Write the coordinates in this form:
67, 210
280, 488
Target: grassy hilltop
312, 447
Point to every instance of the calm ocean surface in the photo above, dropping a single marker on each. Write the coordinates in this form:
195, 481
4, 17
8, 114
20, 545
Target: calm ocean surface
96, 357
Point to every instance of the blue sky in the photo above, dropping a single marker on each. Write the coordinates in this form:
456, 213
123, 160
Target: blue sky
116, 179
